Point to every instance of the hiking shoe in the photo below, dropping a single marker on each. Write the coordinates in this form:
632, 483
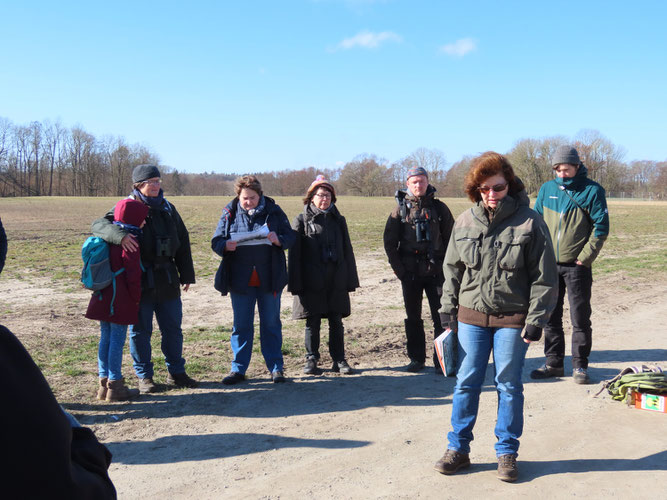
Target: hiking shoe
546, 371
310, 368
580, 376
181, 380
342, 367
146, 385
102, 389
233, 378
118, 391
415, 366
452, 461
507, 470
278, 377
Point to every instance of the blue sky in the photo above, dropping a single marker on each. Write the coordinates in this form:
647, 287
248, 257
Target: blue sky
252, 86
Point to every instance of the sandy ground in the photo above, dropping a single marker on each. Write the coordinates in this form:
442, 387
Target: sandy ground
378, 433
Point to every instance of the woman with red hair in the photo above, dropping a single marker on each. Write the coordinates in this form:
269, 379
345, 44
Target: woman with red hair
499, 291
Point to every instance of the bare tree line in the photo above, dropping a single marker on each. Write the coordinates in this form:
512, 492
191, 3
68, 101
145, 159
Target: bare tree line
47, 159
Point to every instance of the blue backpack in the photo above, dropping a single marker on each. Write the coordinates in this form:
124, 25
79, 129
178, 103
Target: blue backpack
96, 274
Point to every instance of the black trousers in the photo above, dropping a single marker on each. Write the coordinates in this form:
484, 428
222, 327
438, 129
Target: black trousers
413, 293
578, 281
336, 334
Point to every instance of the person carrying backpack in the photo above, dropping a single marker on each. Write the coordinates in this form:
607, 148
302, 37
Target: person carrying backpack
117, 306
167, 265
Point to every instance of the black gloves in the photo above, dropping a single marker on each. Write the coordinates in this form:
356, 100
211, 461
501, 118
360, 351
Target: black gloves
449, 321
532, 333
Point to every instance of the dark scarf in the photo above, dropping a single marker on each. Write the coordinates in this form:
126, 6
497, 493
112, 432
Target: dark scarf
129, 228
246, 220
317, 211
152, 201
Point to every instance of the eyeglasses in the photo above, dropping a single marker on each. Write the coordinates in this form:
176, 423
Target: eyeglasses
323, 195
498, 188
153, 182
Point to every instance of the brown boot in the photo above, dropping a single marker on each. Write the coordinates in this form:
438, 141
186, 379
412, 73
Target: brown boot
102, 389
118, 391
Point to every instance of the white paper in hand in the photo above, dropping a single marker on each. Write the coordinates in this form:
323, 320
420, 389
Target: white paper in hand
256, 237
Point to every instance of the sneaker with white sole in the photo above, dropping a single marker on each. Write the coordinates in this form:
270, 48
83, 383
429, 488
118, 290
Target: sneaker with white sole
580, 376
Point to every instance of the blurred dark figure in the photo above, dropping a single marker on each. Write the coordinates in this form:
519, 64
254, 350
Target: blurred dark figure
46, 453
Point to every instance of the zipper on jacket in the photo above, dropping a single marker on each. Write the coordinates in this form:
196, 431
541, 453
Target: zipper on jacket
560, 219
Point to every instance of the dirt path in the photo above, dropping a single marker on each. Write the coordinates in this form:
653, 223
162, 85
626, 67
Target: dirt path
377, 434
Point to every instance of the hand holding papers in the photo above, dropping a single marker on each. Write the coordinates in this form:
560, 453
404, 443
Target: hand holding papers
256, 237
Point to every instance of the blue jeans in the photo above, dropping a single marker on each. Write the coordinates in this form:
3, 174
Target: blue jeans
110, 350
270, 329
169, 315
475, 344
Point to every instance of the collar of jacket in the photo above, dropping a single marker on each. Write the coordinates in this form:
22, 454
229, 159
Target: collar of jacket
506, 207
269, 205
573, 182
310, 211
421, 200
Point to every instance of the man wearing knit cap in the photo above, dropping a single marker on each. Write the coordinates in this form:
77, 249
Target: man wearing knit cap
167, 262
415, 239
575, 210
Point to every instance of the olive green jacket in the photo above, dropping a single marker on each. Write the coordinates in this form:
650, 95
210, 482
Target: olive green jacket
506, 265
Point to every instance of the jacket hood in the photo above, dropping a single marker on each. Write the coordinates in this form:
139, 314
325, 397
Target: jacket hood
130, 211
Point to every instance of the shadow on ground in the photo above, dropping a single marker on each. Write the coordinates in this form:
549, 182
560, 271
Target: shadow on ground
188, 448
530, 470
260, 398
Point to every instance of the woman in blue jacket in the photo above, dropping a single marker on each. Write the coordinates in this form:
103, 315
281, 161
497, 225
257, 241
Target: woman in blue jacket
252, 236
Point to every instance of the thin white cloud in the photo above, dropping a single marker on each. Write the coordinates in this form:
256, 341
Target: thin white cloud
368, 40
460, 47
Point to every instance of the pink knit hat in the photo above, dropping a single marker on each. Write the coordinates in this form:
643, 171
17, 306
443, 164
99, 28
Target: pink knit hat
320, 181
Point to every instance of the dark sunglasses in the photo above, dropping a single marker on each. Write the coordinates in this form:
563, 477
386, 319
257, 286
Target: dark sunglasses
498, 188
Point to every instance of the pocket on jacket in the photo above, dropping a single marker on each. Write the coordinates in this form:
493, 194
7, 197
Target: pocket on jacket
469, 249
510, 251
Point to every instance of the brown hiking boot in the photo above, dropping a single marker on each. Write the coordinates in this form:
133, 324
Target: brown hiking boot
507, 470
118, 391
452, 461
146, 385
181, 380
102, 389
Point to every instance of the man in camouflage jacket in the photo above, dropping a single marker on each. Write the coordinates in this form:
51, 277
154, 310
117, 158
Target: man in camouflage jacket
415, 239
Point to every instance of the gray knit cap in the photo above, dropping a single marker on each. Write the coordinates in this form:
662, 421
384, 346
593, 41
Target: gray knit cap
143, 172
565, 154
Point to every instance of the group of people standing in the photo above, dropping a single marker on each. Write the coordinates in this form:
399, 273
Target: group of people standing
497, 276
